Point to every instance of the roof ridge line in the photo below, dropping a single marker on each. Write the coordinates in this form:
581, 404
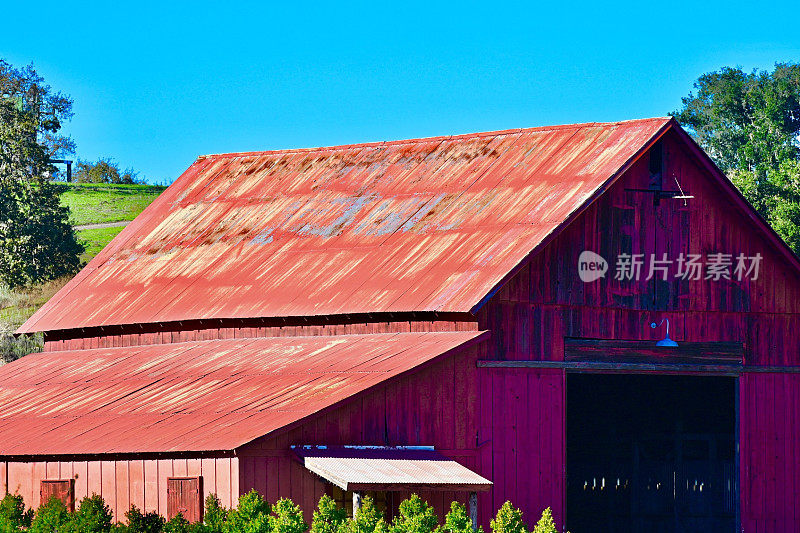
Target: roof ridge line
474, 135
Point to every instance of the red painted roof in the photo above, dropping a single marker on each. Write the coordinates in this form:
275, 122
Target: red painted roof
422, 225
193, 396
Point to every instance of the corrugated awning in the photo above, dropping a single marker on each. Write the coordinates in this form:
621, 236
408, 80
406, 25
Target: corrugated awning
359, 468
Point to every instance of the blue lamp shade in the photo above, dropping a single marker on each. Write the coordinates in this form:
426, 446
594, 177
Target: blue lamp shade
666, 341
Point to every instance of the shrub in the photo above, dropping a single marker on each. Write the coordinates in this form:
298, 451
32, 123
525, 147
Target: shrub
250, 516
215, 514
414, 516
13, 513
368, 519
508, 520
92, 516
457, 520
329, 517
287, 518
50, 517
138, 522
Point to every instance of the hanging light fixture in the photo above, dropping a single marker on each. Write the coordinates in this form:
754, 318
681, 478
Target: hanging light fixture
666, 341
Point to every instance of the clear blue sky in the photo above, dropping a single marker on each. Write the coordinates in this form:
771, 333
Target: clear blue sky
157, 83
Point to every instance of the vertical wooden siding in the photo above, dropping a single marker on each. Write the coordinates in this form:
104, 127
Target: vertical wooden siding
523, 410
122, 483
770, 452
436, 405
546, 301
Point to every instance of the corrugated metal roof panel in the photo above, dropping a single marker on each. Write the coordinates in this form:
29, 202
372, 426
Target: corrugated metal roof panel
420, 225
389, 468
193, 396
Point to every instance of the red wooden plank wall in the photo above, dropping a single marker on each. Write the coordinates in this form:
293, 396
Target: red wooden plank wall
770, 452
546, 301
122, 483
166, 337
436, 405
523, 411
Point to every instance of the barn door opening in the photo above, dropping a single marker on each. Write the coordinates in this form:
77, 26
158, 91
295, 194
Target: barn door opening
651, 453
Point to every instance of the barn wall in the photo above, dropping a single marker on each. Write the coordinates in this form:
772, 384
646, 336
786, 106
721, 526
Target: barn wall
436, 405
770, 451
240, 329
122, 483
546, 301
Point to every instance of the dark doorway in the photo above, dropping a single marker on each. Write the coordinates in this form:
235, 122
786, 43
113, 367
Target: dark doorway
650, 453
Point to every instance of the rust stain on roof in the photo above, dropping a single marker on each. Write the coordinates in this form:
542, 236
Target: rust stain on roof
421, 225
194, 396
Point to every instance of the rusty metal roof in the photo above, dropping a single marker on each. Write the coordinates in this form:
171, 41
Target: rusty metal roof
389, 468
420, 225
193, 396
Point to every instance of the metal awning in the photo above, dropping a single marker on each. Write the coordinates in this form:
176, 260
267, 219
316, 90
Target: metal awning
382, 468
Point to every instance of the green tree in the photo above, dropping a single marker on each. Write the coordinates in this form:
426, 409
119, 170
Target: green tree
250, 516
215, 514
13, 513
287, 517
746, 121
328, 517
138, 522
508, 520
457, 520
36, 241
92, 516
749, 123
546, 524
104, 170
50, 517
368, 519
414, 516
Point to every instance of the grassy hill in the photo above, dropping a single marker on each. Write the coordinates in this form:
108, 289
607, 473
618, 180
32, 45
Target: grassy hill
89, 204
97, 203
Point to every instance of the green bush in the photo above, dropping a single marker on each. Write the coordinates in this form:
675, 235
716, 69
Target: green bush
457, 520
92, 516
138, 522
368, 519
414, 516
250, 516
508, 520
13, 515
50, 517
329, 517
177, 524
256, 515
287, 517
215, 514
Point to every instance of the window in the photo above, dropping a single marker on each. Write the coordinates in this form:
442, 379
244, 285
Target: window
185, 496
61, 489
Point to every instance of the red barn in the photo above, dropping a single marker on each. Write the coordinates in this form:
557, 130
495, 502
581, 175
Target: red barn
452, 315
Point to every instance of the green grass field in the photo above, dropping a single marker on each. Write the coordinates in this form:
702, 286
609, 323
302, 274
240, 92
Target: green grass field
89, 204
95, 239
92, 203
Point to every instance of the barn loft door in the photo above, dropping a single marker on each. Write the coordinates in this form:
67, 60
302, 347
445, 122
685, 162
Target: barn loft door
61, 489
185, 496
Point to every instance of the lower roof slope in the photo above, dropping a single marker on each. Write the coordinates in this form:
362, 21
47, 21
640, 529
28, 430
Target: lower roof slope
193, 396
421, 225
